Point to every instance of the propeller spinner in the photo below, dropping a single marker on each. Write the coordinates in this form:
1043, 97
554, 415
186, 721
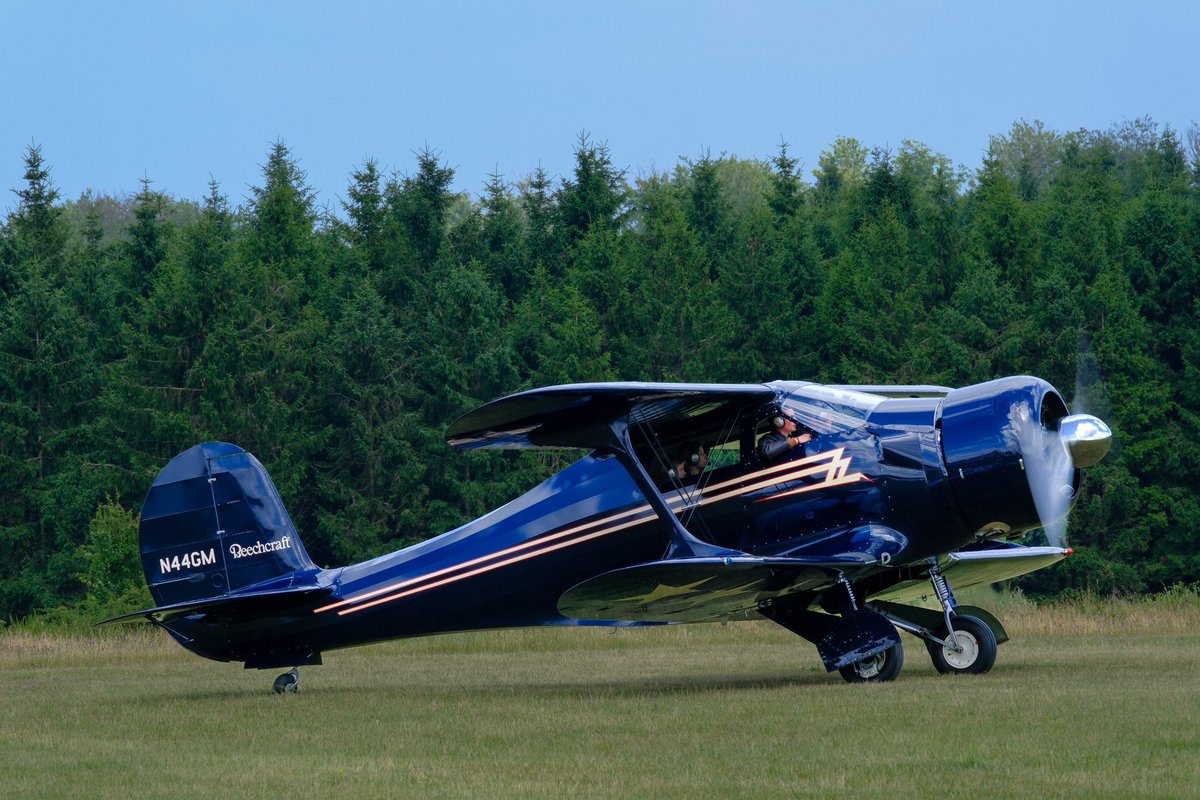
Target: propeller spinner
1086, 438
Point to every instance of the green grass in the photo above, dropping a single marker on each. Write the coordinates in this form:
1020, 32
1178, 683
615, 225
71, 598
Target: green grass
1091, 699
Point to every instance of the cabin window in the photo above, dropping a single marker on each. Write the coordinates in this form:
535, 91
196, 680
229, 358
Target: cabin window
682, 453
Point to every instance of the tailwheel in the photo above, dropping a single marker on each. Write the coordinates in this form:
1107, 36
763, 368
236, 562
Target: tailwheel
883, 666
288, 682
975, 650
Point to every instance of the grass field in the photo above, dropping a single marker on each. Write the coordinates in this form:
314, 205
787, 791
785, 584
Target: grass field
1099, 699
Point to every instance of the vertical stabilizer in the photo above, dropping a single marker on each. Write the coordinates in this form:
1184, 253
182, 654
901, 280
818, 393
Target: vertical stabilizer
213, 523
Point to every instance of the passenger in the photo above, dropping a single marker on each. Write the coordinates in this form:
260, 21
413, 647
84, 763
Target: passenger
782, 439
690, 462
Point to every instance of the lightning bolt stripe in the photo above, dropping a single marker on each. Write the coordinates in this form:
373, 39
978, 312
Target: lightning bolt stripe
803, 468
832, 463
836, 474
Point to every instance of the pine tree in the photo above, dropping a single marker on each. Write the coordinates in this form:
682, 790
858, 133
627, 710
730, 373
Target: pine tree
558, 336
255, 370
368, 477
502, 234
366, 227
48, 385
675, 306
93, 284
785, 185
708, 212
422, 204
593, 198
464, 358
540, 245
37, 231
148, 239
1002, 229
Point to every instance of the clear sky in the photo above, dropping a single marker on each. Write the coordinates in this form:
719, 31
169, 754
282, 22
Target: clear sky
181, 91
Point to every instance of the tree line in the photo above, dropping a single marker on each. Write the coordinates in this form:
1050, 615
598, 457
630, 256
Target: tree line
336, 346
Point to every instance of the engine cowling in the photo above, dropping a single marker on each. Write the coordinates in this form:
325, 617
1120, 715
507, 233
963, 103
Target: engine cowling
997, 439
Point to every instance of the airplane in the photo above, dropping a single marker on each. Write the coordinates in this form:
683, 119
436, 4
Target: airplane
833, 511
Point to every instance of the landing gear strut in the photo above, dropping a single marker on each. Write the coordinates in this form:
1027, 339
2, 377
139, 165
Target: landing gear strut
881, 666
288, 682
964, 645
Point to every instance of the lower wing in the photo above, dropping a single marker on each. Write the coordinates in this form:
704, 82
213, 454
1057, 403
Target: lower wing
990, 564
696, 589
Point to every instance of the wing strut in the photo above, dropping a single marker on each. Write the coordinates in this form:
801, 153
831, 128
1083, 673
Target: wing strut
683, 544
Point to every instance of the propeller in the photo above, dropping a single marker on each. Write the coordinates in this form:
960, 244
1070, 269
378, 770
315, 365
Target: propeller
1053, 453
1056, 449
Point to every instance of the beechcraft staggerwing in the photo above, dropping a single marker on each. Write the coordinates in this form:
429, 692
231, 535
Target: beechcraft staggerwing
678, 513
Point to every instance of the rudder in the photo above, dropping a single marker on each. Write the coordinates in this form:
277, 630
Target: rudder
213, 523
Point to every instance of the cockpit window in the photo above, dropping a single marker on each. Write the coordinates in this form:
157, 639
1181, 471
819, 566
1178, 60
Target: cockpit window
682, 452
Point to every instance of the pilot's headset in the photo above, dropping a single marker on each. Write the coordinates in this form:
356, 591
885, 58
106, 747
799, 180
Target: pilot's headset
691, 454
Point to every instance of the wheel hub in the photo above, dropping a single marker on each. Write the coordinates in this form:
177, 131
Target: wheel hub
967, 652
869, 667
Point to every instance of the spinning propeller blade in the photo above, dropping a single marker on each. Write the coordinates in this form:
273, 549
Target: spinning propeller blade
1053, 456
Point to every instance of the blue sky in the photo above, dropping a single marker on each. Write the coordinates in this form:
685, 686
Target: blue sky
178, 92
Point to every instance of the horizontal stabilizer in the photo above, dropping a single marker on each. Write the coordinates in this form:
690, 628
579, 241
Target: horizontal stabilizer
695, 589
235, 605
993, 563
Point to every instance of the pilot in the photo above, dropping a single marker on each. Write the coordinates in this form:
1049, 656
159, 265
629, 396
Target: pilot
690, 462
782, 439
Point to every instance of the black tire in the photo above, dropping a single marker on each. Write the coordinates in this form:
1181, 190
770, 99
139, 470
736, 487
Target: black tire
287, 683
979, 648
883, 666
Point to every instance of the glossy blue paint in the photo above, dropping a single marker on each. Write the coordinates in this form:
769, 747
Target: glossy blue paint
887, 484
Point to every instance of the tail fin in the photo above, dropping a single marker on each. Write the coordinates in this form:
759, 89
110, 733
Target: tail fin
213, 523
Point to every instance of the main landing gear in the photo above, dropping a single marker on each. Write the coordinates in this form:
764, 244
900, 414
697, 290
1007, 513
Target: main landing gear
861, 640
960, 641
960, 644
969, 650
964, 644
288, 682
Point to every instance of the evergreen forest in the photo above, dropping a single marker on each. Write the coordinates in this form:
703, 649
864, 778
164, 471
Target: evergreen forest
336, 343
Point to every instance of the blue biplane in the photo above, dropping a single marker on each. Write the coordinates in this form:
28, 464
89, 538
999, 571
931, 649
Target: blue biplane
830, 510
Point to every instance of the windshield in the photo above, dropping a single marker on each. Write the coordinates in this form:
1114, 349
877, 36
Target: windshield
824, 409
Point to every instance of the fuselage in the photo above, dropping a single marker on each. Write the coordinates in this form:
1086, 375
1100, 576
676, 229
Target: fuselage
874, 461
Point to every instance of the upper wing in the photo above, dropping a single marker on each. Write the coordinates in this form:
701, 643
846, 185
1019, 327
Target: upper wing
577, 415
